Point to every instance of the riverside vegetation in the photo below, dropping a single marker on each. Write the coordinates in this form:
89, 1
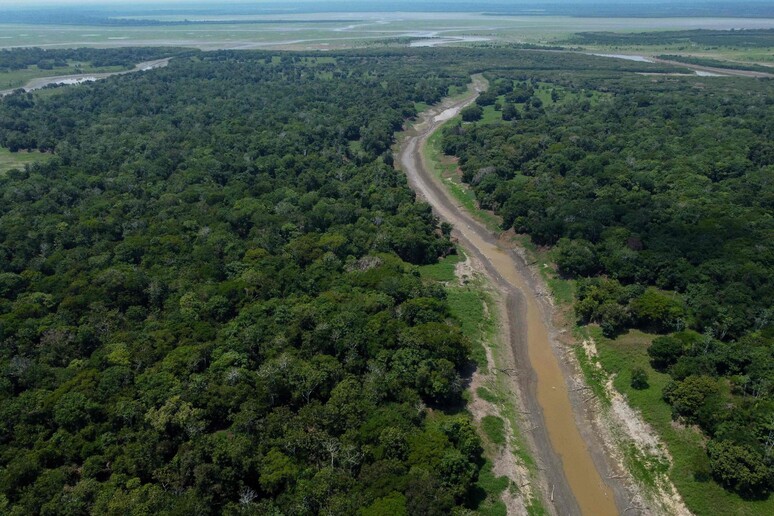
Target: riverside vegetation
208, 294
656, 197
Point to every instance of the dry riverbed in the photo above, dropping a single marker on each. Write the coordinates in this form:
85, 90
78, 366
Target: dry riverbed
575, 443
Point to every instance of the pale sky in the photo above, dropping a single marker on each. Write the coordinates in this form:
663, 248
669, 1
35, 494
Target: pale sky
5, 3
371, 3
160, 3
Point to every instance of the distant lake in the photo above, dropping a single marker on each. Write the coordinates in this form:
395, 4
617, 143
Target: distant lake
628, 57
434, 42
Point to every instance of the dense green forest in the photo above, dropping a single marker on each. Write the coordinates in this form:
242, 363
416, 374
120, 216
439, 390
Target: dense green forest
658, 195
717, 63
208, 303
208, 294
746, 38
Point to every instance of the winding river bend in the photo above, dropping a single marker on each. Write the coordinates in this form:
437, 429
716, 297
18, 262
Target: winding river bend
41, 82
571, 456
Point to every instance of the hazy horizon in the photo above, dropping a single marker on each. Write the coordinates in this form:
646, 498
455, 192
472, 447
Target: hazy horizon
366, 4
321, 24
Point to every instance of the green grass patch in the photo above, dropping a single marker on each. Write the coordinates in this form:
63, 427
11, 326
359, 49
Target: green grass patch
489, 482
562, 289
535, 509
467, 308
497, 508
487, 395
444, 269
494, 428
491, 115
315, 61
544, 91
456, 91
466, 304
10, 160
690, 464
421, 106
491, 485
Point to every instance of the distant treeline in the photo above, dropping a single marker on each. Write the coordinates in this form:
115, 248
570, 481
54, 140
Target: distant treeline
749, 38
716, 63
21, 58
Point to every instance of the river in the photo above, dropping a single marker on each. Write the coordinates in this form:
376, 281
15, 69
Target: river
565, 445
42, 82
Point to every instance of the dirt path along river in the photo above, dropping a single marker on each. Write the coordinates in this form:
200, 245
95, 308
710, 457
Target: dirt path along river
569, 455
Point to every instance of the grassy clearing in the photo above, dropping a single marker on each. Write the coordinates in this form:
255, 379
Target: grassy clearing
493, 486
10, 160
314, 61
487, 395
444, 269
465, 303
492, 115
494, 427
545, 92
467, 308
690, 465
456, 92
562, 290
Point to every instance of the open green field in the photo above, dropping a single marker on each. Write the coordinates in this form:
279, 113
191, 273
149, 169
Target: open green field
10, 160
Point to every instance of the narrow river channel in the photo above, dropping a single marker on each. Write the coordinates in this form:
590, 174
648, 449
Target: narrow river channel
42, 82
